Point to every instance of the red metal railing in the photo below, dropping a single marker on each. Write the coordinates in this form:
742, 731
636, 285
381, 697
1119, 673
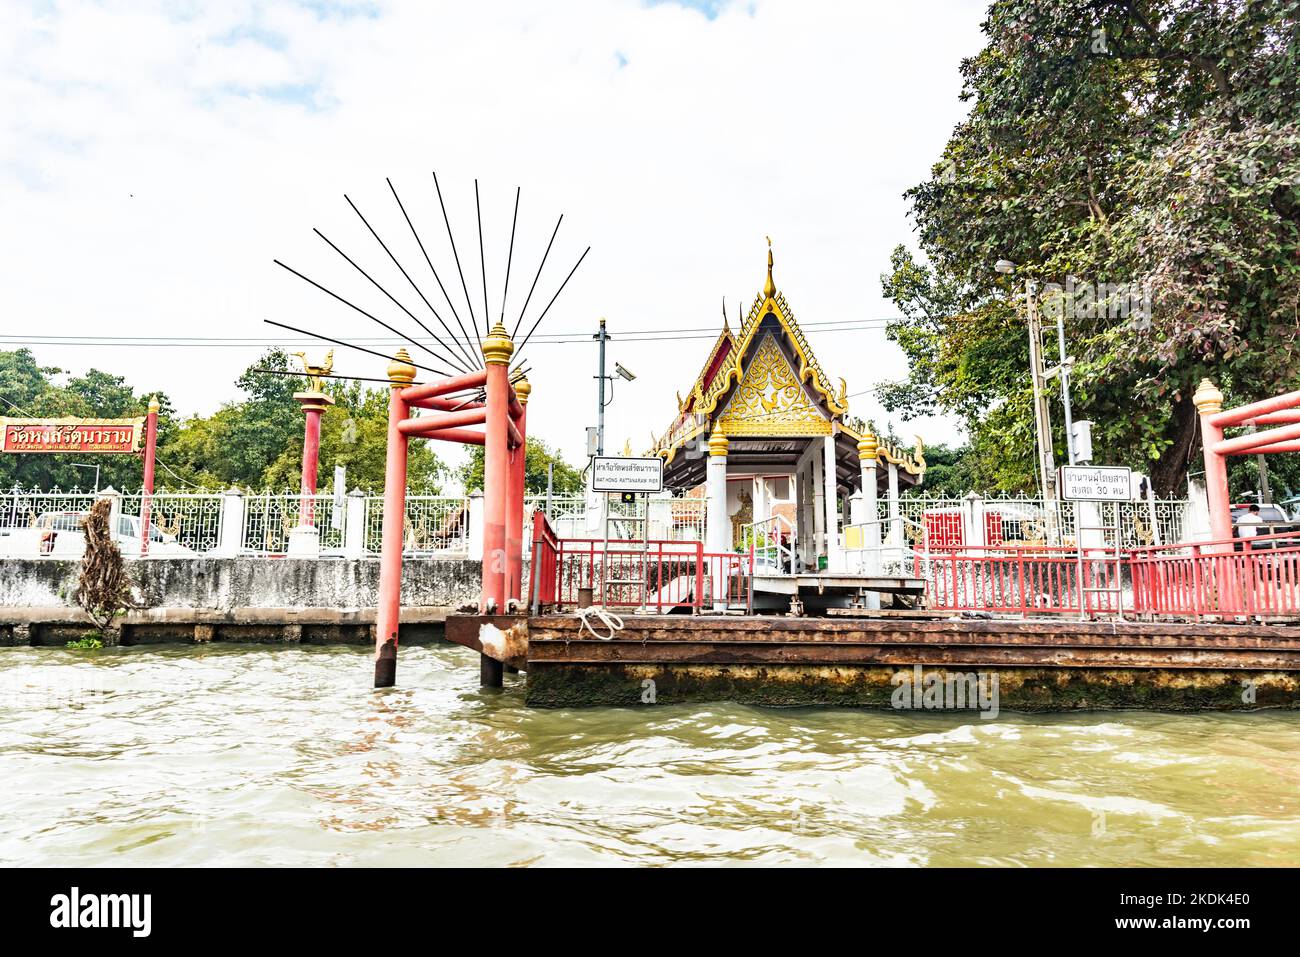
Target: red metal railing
1257, 576
678, 575
545, 562
1014, 580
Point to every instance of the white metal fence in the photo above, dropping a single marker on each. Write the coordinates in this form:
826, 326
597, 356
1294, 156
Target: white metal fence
995, 520
230, 523
259, 523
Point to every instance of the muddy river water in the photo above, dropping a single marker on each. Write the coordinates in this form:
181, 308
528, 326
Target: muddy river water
270, 756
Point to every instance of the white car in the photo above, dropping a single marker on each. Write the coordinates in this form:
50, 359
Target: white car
61, 536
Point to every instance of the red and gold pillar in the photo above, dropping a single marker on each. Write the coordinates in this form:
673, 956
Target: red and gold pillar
313, 405
515, 498
401, 373
497, 350
150, 454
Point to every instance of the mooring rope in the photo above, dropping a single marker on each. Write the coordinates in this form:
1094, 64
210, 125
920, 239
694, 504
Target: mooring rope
606, 618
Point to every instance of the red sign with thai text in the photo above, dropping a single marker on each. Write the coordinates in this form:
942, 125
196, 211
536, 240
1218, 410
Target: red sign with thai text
70, 435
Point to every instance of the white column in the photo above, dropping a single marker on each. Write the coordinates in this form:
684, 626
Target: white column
819, 508
895, 527
354, 525
834, 557
717, 535
976, 532
717, 529
871, 532
231, 540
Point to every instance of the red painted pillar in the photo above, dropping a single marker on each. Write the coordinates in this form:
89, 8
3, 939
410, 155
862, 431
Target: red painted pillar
150, 453
1209, 401
388, 614
497, 350
313, 404
515, 499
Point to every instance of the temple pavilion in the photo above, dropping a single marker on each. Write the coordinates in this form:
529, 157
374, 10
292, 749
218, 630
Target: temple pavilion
768, 436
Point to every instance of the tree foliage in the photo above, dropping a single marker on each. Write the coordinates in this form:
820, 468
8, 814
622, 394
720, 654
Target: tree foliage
566, 479
253, 443
1145, 142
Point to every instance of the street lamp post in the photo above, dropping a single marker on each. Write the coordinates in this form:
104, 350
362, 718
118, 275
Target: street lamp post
621, 371
1042, 420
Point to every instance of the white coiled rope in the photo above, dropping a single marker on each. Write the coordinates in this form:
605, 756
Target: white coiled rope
605, 618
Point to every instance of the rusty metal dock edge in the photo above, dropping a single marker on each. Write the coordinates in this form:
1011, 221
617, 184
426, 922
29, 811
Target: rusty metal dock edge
1042, 665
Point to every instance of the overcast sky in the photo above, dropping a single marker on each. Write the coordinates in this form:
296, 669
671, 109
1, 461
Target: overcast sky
155, 159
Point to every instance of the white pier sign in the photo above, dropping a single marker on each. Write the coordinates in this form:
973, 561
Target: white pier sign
614, 473
1096, 483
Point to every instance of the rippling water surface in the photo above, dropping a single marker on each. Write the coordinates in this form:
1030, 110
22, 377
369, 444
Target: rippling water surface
251, 756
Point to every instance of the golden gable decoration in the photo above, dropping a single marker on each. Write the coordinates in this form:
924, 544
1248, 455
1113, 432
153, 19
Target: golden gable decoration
770, 400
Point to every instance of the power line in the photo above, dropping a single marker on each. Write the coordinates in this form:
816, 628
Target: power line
644, 335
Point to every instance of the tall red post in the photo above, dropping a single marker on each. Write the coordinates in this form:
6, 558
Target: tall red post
497, 350
313, 404
401, 373
150, 453
1209, 403
515, 498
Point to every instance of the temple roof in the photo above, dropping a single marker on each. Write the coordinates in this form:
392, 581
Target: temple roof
765, 381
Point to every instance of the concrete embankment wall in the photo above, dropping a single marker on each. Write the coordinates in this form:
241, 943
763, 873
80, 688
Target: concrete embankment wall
255, 599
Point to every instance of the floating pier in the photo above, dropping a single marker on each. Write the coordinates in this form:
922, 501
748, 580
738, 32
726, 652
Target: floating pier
1045, 665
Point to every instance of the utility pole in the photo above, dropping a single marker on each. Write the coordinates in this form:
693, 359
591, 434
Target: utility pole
1042, 421
1063, 370
600, 406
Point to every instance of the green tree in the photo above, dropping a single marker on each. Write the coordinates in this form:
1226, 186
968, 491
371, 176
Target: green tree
1151, 142
567, 479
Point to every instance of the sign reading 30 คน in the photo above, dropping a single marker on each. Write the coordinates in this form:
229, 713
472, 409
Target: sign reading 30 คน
1096, 483
612, 473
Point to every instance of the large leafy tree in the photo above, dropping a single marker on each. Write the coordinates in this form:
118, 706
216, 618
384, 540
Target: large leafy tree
539, 457
1146, 142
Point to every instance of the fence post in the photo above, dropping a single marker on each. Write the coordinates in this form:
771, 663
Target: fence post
354, 525
476, 526
115, 512
231, 538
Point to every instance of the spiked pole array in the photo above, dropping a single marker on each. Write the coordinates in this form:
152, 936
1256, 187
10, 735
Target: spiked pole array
479, 389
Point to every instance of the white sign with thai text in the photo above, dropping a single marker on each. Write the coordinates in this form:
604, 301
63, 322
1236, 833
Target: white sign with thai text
1096, 483
610, 473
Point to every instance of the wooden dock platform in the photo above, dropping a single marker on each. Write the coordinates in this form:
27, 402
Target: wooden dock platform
1055, 664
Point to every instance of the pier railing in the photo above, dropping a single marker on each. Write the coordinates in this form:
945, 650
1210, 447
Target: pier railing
1256, 577
656, 576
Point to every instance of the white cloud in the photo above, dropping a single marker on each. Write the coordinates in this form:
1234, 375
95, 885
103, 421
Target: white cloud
152, 164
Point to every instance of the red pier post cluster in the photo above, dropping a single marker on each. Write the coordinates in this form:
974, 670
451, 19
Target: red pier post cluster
502, 417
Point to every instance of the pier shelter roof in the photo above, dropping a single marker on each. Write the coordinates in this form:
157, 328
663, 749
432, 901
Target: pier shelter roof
764, 390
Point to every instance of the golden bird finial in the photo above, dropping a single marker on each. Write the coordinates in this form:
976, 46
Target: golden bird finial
769, 287
315, 372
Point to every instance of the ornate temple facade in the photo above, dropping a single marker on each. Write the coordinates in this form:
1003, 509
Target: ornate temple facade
767, 434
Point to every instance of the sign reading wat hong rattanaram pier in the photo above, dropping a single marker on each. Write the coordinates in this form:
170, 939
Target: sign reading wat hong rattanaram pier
618, 474
70, 435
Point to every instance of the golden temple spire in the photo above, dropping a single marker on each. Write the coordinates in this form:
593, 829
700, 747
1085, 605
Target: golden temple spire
769, 287
725, 326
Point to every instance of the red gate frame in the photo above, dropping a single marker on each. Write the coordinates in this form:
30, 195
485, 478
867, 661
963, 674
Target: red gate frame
1283, 410
503, 438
